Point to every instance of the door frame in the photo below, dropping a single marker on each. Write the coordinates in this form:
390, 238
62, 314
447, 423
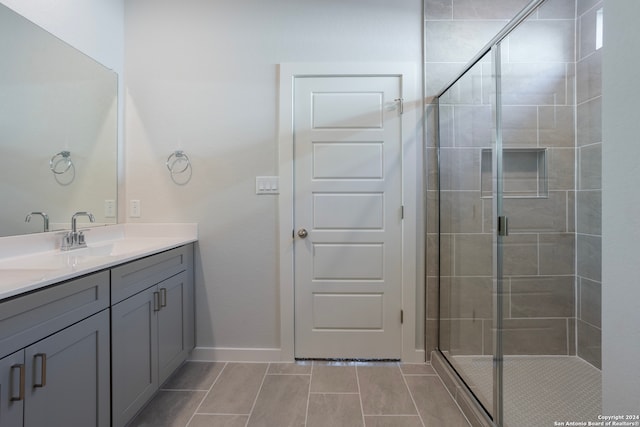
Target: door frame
411, 155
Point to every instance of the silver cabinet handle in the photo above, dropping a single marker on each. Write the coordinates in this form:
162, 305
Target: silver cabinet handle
156, 301
21, 369
43, 368
302, 233
163, 297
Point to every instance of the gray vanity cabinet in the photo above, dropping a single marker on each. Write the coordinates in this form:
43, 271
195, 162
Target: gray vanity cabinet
72, 368
12, 389
58, 372
152, 326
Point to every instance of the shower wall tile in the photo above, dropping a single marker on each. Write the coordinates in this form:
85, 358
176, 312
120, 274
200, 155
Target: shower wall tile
571, 335
589, 344
542, 296
520, 254
537, 215
465, 336
557, 9
469, 297
431, 340
543, 41
468, 88
590, 302
432, 212
557, 254
432, 168
473, 255
571, 211
473, 126
460, 169
461, 212
446, 254
561, 166
445, 125
589, 77
530, 83
535, 336
458, 41
589, 122
585, 5
432, 298
445, 300
589, 212
519, 126
590, 167
438, 9
556, 126
486, 9
589, 252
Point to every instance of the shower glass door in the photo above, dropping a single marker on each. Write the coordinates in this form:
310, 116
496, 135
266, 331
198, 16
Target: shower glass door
467, 136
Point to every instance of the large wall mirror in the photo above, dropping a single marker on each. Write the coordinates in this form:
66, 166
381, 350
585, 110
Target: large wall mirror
58, 131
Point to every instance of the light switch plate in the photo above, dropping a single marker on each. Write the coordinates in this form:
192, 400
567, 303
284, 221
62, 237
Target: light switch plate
267, 185
110, 208
134, 209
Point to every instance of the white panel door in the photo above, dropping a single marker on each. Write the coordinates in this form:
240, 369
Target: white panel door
347, 199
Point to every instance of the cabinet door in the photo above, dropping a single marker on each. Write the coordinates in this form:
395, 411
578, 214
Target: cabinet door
12, 389
134, 360
175, 333
68, 376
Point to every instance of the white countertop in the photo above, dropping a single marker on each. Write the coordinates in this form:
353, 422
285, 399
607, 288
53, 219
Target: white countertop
34, 261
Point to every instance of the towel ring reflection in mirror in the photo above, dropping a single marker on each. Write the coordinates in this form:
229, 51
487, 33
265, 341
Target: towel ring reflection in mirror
62, 166
179, 166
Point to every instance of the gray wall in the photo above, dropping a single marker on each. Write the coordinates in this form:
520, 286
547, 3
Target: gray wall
621, 209
202, 76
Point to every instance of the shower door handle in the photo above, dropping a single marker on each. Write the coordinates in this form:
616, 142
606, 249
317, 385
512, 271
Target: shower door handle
503, 226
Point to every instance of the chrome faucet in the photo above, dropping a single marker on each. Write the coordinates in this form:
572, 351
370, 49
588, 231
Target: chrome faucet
44, 216
74, 239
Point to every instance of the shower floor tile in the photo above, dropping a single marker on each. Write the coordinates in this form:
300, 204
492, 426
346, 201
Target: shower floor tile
538, 390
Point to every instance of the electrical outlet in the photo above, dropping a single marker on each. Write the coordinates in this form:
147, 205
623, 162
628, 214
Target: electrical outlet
134, 209
110, 208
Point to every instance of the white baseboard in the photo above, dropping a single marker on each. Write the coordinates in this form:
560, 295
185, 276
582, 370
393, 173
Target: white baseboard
226, 354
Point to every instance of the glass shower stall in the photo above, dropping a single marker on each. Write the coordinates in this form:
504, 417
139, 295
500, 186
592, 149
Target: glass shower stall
519, 147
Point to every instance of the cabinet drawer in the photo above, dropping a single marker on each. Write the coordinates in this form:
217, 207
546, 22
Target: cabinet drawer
29, 318
131, 278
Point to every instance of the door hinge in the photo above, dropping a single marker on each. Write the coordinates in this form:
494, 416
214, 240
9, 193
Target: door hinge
401, 102
401, 316
402, 212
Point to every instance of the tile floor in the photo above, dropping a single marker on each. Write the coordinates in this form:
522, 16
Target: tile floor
311, 394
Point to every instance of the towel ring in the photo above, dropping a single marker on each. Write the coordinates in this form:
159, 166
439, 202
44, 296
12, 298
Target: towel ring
64, 158
175, 159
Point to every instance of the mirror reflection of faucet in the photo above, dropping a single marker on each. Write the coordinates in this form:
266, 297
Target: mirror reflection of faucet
44, 216
74, 239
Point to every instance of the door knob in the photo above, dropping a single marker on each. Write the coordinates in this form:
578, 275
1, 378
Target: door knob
302, 233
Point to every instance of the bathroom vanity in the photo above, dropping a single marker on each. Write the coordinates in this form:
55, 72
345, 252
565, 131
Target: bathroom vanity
86, 338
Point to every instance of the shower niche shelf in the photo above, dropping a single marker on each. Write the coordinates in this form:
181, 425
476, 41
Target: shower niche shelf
524, 173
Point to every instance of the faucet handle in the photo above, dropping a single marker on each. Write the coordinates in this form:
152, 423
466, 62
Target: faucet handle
67, 241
